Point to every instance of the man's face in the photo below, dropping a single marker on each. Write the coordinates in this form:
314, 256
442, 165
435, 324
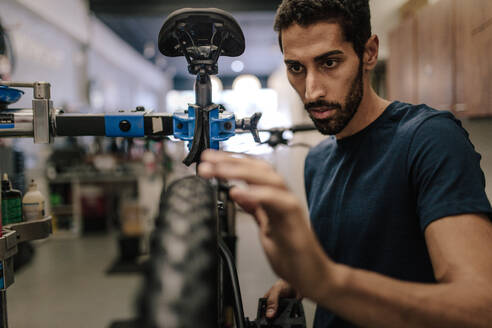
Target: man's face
326, 73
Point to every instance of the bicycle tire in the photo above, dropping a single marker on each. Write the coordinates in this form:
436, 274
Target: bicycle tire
180, 284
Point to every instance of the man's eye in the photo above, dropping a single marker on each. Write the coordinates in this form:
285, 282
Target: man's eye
330, 63
295, 68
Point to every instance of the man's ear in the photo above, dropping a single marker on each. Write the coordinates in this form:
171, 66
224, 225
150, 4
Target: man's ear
371, 52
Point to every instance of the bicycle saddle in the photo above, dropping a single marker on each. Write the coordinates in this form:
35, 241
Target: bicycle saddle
201, 35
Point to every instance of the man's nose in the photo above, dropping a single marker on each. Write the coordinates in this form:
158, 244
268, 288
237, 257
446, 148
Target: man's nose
315, 89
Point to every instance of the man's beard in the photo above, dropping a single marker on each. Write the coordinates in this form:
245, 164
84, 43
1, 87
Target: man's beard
343, 115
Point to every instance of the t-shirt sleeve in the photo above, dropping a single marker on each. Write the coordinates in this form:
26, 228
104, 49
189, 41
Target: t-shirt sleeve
445, 171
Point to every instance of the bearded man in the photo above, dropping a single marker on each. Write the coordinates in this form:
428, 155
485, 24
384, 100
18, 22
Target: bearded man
400, 232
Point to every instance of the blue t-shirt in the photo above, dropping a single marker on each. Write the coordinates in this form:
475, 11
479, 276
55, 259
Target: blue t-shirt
371, 195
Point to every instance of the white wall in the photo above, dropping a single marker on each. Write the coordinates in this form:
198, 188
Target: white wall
60, 42
70, 16
43, 53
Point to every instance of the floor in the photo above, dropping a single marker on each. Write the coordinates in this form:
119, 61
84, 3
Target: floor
66, 285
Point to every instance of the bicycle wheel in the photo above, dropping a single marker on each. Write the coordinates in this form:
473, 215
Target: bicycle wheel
180, 286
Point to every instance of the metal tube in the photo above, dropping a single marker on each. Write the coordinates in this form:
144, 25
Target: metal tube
42, 109
21, 123
203, 90
41, 90
17, 84
226, 255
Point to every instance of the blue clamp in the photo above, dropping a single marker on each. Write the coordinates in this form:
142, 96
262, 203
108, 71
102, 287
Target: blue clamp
221, 127
129, 124
184, 125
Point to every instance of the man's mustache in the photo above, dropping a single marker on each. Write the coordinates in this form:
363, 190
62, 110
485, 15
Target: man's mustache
322, 103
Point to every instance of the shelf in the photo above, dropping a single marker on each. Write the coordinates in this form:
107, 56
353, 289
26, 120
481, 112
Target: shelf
65, 234
30, 230
62, 210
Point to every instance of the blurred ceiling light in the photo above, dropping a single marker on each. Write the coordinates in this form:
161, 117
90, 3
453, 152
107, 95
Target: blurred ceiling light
217, 86
149, 49
246, 83
161, 62
237, 66
170, 71
5, 66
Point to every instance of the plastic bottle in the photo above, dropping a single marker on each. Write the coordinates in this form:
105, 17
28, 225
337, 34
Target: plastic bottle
33, 203
11, 202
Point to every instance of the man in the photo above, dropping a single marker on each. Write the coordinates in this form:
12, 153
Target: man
396, 195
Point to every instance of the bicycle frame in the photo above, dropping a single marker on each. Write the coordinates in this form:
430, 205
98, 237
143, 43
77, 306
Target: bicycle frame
202, 61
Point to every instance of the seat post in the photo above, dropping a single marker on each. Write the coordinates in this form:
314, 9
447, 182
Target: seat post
203, 90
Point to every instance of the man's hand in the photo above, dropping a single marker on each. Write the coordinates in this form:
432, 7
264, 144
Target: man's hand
289, 243
280, 289
461, 298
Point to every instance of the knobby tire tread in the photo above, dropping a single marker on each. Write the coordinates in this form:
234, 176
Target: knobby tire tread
180, 285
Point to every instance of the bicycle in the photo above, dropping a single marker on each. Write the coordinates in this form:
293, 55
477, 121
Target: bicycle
191, 280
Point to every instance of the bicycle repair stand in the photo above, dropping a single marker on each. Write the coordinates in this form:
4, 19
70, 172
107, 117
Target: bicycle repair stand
12, 235
201, 35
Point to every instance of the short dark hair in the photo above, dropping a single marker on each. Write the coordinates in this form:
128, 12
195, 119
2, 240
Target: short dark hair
353, 16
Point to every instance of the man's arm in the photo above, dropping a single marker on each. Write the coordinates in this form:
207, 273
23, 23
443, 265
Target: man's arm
459, 247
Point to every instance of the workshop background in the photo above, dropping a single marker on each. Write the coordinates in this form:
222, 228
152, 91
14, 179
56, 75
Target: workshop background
101, 56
